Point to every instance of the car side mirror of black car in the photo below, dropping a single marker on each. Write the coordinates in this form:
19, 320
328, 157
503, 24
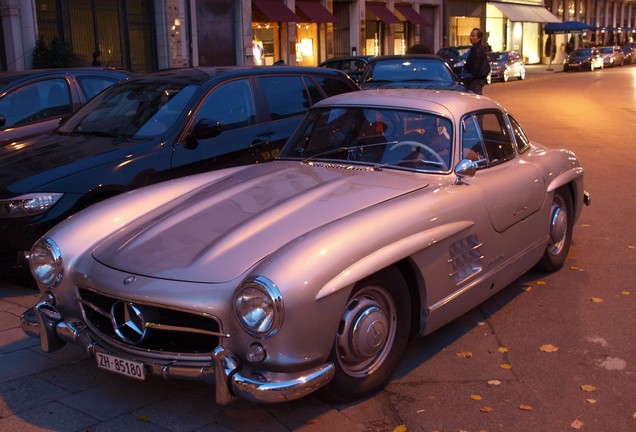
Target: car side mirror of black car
3, 120
204, 129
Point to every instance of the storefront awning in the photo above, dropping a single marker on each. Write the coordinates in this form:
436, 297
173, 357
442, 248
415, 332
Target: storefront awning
276, 10
526, 13
383, 13
315, 11
410, 14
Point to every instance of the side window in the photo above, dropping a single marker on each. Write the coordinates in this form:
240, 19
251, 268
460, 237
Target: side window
496, 139
231, 104
286, 96
36, 102
523, 143
472, 144
333, 86
92, 85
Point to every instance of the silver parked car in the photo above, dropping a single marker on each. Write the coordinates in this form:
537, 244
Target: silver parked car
388, 214
612, 56
505, 65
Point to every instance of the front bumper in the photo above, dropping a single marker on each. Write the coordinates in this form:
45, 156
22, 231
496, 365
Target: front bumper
231, 379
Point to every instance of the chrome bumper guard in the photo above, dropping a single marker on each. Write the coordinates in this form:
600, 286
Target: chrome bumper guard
45, 322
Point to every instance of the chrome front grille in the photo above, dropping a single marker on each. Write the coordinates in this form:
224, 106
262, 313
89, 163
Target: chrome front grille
147, 327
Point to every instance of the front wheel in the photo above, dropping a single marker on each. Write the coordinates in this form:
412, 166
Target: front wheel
560, 232
371, 337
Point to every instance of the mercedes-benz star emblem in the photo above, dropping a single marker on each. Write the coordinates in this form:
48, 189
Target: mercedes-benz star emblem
128, 322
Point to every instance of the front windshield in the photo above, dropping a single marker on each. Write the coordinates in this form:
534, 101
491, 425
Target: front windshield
607, 50
134, 110
401, 70
582, 52
371, 136
498, 56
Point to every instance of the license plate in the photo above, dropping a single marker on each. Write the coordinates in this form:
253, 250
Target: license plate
121, 366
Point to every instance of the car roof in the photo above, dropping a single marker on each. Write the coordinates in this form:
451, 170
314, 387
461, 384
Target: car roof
18, 76
198, 75
405, 56
444, 102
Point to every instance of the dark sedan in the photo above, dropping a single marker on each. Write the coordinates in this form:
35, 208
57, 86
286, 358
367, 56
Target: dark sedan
152, 128
455, 56
352, 66
33, 102
409, 71
583, 59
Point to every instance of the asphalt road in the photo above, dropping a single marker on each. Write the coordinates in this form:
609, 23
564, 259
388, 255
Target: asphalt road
548, 353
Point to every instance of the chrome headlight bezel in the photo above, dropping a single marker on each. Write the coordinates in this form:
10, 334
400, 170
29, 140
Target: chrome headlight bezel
45, 262
258, 307
31, 204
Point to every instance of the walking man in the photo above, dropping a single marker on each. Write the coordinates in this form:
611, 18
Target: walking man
477, 67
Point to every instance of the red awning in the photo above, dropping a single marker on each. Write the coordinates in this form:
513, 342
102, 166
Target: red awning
276, 10
410, 14
315, 11
383, 13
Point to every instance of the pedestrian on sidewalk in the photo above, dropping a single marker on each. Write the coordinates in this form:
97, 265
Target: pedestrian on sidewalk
477, 67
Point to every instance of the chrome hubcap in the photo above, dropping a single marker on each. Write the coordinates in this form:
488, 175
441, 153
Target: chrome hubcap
558, 226
367, 330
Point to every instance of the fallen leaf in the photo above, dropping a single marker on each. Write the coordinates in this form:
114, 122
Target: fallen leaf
626, 293
494, 382
527, 288
576, 424
311, 421
400, 428
506, 366
143, 418
475, 397
596, 299
540, 282
503, 350
588, 388
524, 407
634, 416
486, 409
576, 267
464, 354
591, 401
548, 348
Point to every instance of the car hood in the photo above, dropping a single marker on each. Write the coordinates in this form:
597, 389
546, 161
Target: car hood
31, 164
220, 230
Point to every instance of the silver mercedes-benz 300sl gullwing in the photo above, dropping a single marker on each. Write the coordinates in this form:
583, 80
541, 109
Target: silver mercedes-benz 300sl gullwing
388, 214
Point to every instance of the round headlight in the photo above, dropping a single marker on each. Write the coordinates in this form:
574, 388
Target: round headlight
45, 261
258, 306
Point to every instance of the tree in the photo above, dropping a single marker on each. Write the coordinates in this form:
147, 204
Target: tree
58, 55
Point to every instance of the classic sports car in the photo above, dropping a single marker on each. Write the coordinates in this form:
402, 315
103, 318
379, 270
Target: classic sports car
388, 214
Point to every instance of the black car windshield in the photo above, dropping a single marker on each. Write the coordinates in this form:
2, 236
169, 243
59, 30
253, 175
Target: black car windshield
379, 138
498, 56
401, 70
582, 52
134, 110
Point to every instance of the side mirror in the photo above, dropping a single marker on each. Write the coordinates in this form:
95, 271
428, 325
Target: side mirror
3, 120
465, 168
204, 129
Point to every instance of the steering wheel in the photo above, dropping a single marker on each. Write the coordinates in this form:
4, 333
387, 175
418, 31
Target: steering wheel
426, 148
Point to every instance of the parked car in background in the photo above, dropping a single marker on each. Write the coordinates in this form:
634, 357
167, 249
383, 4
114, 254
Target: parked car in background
612, 56
33, 102
409, 71
455, 56
583, 59
506, 64
630, 54
151, 128
352, 66
388, 214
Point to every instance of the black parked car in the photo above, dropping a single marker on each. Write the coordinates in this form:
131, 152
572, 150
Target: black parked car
148, 129
352, 66
583, 59
409, 71
33, 102
455, 56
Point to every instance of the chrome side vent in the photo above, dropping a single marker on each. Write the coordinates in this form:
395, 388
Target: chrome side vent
465, 258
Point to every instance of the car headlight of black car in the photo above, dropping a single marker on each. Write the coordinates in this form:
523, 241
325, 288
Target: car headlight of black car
258, 306
45, 261
28, 205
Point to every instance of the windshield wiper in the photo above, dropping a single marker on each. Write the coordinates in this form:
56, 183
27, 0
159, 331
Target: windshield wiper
346, 149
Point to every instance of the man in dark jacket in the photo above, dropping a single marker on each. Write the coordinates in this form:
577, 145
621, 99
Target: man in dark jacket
477, 67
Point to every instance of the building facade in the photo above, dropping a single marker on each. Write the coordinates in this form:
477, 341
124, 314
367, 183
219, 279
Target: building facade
148, 35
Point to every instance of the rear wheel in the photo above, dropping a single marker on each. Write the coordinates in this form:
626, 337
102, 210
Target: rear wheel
522, 75
560, 232
505, 75
372, 336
